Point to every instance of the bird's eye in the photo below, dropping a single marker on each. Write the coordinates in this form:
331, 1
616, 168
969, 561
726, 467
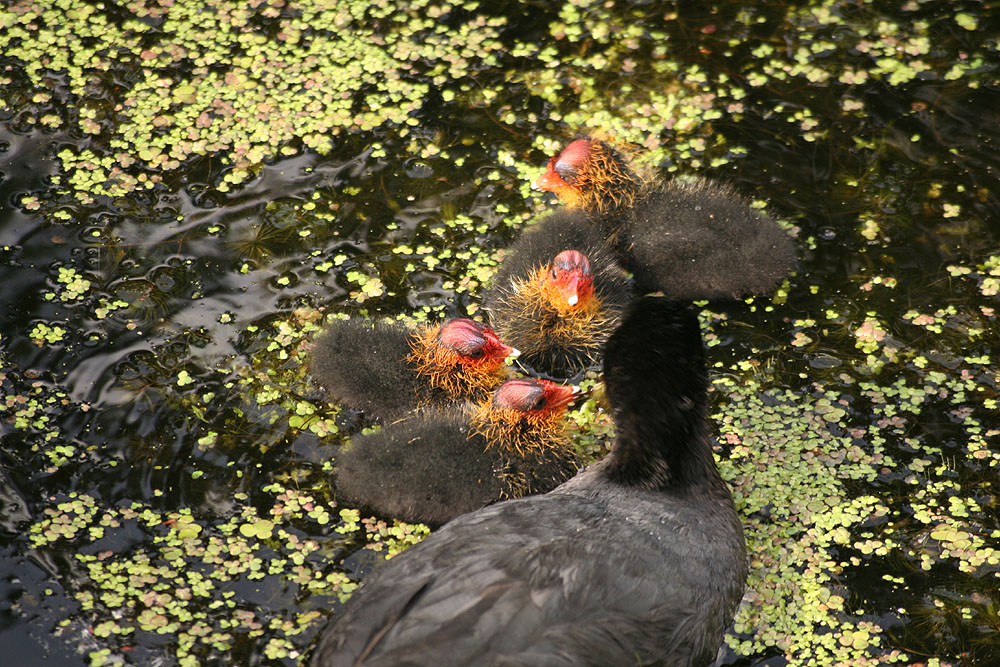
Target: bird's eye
568, 174
476, 353
555, 274
538, 405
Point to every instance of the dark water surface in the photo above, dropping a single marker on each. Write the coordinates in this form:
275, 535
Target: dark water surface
165, 463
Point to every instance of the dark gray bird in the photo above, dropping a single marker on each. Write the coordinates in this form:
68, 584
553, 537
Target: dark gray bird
435, 464
387, 369
702, 240
558, 295
638, 560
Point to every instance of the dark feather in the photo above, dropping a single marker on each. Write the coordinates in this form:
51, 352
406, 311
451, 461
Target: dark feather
614, 567
522, 322
432, 466
702, 240
362, 364
422, 468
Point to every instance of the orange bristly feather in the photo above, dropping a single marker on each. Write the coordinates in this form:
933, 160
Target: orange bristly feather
444, 369
515, 431
605, 185
539, 300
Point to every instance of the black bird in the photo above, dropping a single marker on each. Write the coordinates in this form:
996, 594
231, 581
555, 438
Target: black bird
436, 464
688, 240
558, 294
702, 240
387, 369
640, 559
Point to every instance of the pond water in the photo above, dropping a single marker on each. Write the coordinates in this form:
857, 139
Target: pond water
188, 188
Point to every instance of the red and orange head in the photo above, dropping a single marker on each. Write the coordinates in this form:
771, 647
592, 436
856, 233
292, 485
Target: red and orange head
525, 414
460, 356
567, 280
567, 173
472, 343
525, 421
591, 175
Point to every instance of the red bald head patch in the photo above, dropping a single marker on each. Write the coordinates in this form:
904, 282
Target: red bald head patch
472, 340
563, 169
532, 395
569, 278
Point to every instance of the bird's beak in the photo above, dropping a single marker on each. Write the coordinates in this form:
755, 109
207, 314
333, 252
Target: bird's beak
566, 395
574, 290
550, 180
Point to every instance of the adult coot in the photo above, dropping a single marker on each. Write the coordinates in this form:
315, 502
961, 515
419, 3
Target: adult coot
640, 559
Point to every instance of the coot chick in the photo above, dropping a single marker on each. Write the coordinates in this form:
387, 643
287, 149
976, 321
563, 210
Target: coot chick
689, 240
640, 559
702, 240
558, 294
387, 369
436, 464
590, 175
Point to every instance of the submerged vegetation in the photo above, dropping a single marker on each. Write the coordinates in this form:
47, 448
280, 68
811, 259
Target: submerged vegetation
192, 187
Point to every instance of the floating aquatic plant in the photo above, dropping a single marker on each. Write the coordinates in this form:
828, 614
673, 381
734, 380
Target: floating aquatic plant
870, 406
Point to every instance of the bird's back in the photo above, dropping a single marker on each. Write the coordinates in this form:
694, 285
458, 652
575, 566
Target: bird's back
702, 240
363, 364
586, 575
424, 468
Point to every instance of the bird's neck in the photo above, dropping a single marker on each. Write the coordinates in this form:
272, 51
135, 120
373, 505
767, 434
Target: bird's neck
660, 409
668, 450
608, 186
